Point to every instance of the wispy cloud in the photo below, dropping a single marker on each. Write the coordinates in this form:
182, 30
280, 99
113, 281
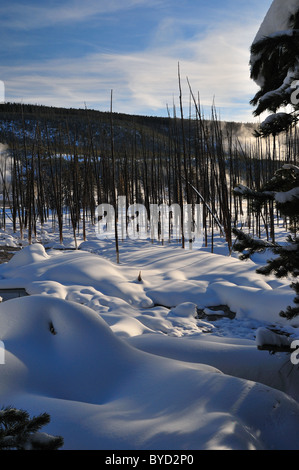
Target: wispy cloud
144, 82
38, 15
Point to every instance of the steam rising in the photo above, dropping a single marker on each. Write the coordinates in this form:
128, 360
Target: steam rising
6, 161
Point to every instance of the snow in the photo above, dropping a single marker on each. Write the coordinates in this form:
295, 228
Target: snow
281, 197
276, 23
289, 166
279, 120
277, 18
264, 336
287, 196
125, 362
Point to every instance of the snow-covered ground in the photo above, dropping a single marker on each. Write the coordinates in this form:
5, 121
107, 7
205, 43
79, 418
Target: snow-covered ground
139, 355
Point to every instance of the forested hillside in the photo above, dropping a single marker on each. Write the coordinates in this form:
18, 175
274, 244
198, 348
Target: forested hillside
15, 118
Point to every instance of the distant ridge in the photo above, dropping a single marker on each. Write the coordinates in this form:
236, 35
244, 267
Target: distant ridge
71, 125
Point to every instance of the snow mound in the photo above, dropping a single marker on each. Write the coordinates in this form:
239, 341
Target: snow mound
66, 269
120, 363
63, 358
58, 343
30, 254
186, 309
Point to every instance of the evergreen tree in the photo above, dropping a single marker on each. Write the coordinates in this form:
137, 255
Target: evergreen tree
20, 432
283, 188
275, 66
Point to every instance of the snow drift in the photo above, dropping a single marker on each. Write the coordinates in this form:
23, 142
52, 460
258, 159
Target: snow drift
124, 398
115, 370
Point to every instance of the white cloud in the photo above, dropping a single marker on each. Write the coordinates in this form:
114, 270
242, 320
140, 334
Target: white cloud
144, 82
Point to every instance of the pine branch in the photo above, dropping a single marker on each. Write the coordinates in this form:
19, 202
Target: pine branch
20, 432
275, 58
251, 245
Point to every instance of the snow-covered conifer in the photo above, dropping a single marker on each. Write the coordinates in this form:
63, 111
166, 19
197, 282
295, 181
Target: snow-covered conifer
283, 188
275, 66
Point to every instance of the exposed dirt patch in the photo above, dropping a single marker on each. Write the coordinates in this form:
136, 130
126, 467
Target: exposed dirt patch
7, 252
215, 313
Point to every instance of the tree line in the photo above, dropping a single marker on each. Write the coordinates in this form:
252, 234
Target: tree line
63, 164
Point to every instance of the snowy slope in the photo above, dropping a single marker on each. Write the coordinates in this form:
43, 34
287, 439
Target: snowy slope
120, 363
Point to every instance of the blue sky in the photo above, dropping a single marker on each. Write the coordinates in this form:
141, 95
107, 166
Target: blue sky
73, 53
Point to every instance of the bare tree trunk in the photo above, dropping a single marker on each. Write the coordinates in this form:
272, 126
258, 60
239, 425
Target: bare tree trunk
113, 180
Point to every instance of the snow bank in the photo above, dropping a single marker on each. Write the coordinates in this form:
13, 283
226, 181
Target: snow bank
171, 279
120, 363
36, 269
102, 393
57, 342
